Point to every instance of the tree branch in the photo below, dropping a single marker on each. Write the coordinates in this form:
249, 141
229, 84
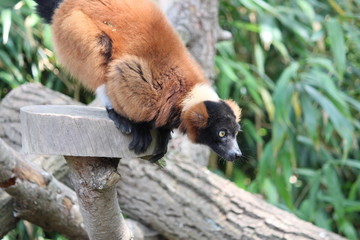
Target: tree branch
39, 197
186, 201
94, 180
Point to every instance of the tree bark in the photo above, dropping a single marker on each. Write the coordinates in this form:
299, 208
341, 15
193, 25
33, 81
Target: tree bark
186, 201
39, 197
10, 132
95, 181
196, 21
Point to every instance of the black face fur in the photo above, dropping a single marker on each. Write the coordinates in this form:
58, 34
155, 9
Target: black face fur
221, 130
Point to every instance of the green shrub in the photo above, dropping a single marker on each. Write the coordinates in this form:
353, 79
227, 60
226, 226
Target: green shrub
294, 67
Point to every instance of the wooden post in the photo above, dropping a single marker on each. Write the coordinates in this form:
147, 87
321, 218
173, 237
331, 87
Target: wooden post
83, 135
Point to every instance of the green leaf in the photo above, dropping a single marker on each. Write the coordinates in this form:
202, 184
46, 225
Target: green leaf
322, 62
334, 190
355, 103
270, 191
323, 81
280, 46
268, 102
342, 125
322, 219
337, 45
349, 230
349, 162
354, 190
9, 79
307, 9
283, 93
314, 189
311, 117
250, 129
260, 60
250, 81
6, 24
285, 79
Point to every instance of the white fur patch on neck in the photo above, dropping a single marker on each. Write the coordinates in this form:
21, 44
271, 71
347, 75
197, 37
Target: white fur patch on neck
200, 93
101, 94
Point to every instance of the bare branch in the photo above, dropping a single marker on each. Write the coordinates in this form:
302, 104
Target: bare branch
39, 197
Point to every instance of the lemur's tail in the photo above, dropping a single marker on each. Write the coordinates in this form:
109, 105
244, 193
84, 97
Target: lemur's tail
46, 8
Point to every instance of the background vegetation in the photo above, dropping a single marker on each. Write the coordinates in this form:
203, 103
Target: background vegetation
293, 66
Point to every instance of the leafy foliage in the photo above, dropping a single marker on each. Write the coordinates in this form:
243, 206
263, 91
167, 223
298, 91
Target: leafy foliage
26, 231
26, 53
294, 68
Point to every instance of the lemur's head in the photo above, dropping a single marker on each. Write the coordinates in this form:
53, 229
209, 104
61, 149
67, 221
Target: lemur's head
214, 123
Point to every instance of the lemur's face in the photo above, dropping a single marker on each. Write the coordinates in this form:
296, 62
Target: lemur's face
221, 131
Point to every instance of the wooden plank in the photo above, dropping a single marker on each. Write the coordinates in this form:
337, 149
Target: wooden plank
71, 130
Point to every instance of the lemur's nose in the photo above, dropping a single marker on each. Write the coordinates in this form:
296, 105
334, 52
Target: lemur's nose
238, 154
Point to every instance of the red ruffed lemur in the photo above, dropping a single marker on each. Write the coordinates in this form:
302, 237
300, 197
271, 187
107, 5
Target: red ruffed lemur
128, 53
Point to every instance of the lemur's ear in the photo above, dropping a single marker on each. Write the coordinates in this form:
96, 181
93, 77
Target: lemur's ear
235, 108
193, 119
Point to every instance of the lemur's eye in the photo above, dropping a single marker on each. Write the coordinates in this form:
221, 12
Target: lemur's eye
222, 133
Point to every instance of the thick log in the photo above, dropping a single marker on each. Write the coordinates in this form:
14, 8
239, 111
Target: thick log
186, 197
7, 218
186, 201
10, 132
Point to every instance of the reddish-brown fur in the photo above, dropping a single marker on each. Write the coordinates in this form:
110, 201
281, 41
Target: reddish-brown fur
194, 118
140, 36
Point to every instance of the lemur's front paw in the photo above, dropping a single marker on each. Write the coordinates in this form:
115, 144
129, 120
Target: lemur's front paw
141, 137
161, 149
122, 123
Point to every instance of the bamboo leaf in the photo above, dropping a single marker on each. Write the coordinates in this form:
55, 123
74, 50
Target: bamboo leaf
314, 189
337, 45
6, 23
260, 60
342, 125
307, 8
323, 81
334, 189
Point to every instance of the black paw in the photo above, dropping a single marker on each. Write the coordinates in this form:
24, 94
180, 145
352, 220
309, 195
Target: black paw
122, 123
161, 149
141, 137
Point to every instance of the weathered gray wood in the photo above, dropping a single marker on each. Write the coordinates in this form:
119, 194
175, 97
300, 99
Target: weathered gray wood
73, 131
10, 132
95, 181
196, 21
38, 196
86, 136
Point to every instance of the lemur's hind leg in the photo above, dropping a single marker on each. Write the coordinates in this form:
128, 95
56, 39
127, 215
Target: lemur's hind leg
164, 135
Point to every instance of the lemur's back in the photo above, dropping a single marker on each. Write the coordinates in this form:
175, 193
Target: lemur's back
90, 33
